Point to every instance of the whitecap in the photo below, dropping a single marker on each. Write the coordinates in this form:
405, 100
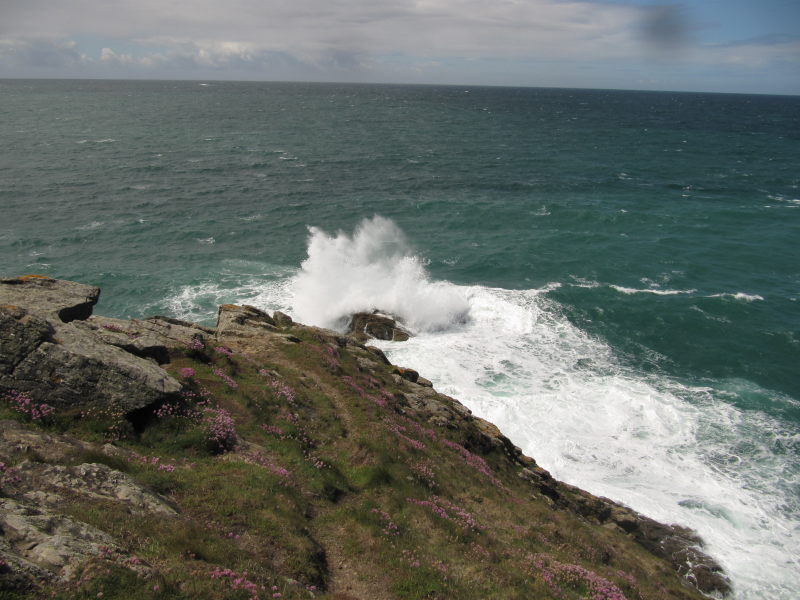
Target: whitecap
738, 296
372, 269
90, 226
207, 241
656, 291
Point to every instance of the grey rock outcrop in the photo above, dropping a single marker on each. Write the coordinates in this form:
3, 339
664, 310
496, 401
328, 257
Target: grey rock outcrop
65, 300
68, 365
50, 351
54, 543
235, 320
365, 326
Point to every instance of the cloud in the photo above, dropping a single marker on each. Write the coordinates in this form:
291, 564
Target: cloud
401, 40
315, 28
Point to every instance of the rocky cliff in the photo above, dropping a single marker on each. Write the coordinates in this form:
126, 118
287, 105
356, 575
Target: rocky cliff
263, 458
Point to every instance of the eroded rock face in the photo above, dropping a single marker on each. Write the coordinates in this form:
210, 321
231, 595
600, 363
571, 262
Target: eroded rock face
235, 320
54, 543
66, 300
49, 350
365, 326
37, 541
70, 365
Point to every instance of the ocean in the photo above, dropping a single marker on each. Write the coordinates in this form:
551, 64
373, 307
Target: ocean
611, 277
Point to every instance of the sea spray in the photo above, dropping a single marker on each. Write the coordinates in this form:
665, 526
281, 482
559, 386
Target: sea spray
675, 451
374, 269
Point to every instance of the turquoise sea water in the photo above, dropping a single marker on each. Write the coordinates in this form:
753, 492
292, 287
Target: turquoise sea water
612, 277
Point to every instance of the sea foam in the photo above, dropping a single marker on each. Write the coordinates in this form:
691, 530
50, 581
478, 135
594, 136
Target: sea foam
676, 451
372, 269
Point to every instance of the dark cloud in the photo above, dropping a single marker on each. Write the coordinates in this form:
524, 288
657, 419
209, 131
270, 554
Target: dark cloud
666, 27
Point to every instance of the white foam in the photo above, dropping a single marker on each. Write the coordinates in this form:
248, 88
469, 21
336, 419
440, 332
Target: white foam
92, 225
237, 282
675, 452
372, 269
656, 291
738, 296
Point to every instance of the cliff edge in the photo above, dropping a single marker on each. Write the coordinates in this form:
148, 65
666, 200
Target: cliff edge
263, 458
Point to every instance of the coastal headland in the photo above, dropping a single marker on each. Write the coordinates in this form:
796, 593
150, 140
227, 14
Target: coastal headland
263, 458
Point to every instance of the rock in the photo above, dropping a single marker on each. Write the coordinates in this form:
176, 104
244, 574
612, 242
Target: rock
235, 320
436, 408
364, 326
173, 333
16, 440
68, 364
424, 382
20, 334
137, 341
65, 300
95, 481
282, 319
408, 374
379, 353
50, 541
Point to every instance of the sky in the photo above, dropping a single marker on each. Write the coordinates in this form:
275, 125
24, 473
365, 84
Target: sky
745, 46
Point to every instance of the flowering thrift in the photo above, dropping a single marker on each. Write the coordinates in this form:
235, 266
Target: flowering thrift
281, 389
559, 575
440, 506
264, 461
389, 527
473, 460
398, 430
187, 372
221, 428
237, 581
196, 344
229, 381
22, 402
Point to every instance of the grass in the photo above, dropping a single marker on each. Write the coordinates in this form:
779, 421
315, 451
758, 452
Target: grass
330, 467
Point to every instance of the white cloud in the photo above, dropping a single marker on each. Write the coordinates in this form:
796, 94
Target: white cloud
352, 39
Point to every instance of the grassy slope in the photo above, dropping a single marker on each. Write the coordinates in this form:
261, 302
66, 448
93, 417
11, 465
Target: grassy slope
335, 489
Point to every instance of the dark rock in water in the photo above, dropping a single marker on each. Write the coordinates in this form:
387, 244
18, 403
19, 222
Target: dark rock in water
67, 300
364, 326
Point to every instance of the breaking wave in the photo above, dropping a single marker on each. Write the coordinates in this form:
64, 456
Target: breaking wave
373, 269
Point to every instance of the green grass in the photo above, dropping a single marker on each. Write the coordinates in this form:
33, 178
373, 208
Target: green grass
348, 475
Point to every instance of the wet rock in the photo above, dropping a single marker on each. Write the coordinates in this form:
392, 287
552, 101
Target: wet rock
364, 326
